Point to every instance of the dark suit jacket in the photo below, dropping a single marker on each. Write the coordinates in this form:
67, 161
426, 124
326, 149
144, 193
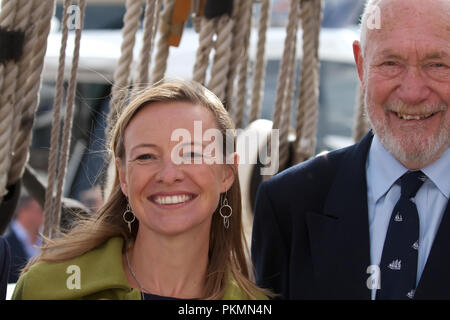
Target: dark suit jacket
311, 232
19, 256
4, 267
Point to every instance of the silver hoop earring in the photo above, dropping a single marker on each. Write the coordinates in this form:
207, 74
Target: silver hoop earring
225, 207
130, 221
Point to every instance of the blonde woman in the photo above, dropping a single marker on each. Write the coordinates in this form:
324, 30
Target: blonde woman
171, 226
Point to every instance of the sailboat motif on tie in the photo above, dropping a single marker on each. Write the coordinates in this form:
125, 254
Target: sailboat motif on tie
395, 265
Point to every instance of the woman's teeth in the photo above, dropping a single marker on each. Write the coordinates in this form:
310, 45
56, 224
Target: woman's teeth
172, 199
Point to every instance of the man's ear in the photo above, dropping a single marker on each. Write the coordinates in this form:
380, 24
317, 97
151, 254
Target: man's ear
230, 172
359, 60
121, 170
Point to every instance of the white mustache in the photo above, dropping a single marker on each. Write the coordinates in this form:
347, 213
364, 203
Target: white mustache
417, 109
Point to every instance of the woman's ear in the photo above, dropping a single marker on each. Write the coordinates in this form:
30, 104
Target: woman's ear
121, 170
230, 171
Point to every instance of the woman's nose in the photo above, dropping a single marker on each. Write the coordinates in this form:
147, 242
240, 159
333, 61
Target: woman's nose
169, 172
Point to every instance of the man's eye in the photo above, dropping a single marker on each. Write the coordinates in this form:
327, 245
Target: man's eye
437, 65
389, 63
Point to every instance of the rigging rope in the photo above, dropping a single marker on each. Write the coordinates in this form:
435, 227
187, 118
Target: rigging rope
219, 70
54, 137
162, 52
49, 230
238, 110
240, 12
122, 74
260, 62
207, 31
25, 110
8, 75
307, 110
147, 43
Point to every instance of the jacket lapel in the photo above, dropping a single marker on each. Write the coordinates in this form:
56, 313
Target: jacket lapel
435, 280
339, 237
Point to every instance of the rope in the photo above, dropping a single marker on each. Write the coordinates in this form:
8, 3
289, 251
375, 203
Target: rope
147, 46
287, 108
286, 83
54, 138
219, 70
243, 70
23, 122
68, 121
309, 85
207, 31
122, 73
361, 125
240, 17
284, 75
260, 62
8, 74
162, 53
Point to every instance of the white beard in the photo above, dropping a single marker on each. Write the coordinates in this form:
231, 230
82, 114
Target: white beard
414, 148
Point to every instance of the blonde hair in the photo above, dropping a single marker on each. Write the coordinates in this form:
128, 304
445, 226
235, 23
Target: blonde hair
227, 247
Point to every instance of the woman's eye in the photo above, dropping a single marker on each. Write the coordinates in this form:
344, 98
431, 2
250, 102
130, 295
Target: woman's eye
192, 155
145, 157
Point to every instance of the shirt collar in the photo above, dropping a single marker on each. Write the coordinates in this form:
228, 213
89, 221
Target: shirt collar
388, 170
384, 168
20, 232
438, 172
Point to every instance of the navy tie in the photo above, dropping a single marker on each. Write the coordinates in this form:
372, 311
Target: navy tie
398, 265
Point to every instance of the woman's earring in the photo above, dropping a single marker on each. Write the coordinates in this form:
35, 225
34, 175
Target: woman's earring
129, 221
225, 211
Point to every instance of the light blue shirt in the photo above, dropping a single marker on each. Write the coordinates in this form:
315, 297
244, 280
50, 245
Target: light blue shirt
382, 172
31, 249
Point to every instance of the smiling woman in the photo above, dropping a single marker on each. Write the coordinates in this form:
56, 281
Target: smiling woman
167, 230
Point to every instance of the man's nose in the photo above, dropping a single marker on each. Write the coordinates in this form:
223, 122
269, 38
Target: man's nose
169, 172
414, 88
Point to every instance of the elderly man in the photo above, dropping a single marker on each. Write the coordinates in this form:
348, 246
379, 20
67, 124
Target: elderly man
372, 221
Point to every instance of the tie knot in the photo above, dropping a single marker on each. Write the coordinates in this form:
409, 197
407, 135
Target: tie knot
411, 183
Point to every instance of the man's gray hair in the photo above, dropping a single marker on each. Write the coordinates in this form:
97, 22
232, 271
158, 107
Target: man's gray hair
368, 12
